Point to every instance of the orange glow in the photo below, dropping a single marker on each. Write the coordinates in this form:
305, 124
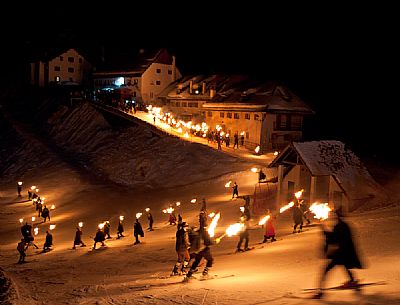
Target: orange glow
228, 184
264, 220
286, 207
211, 228
321, 210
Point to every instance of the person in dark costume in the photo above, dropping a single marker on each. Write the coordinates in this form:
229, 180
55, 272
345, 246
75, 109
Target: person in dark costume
78, 238
235, 190
298, 216
244, 235
137, 231
48, 242
99, 238
45, 213
22, 247
19, 189
269, 228
120, 230
182, 246
151, 221
236, 140
107, 229
340, 249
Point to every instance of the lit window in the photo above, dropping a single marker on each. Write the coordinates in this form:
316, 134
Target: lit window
178, 104
57, 79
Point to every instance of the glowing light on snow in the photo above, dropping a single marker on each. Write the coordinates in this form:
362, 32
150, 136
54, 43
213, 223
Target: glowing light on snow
241, 209
228, 184
21, 220
52, 227
33, 218
276, 153
234, 229
80, 224
299, 193
19, 183
257, 149
211, 215
36, 231
264, 220
147, 209
101, 226
211, 228
321, 210
138, 215
286, 207
254, 169
178, 203
121, 218
193, 200
52, 207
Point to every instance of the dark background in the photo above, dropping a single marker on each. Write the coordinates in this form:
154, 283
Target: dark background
339, 60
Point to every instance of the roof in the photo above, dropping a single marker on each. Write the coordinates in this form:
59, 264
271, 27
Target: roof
232, 90
333, 158
133, 62
51, 53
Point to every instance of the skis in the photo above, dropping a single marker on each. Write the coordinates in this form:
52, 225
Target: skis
206, 278
342, 287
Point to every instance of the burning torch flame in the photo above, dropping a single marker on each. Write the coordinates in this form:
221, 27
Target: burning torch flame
33, 187
254, 169
234, 229
147, 209
211, 215
241, 209
186, 135
138, 215
321, 210
19, 183
213, 224
264, 220
37, 190
193, 200
101, 226
21, 220
299, 193
286, 207
228, 184
257, 149
43, 198
178, 204
80, 224
36, 230
52, 227
170, 210
53, 207
121, 218
33, 218
276, 153
164, 211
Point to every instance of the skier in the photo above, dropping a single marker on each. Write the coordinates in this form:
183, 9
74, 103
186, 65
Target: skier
269, 228
172, 218
297, 218
227, 140
204, 251
247, 207
120, 230
179, 220
235, 190
26, 231
150, 218
107, 229
29, 194
182, 246
137, 231
99, 238
261, 176
244, 235
242, 140
39, 208
78, 238
343, 252
19, 189
236, 140
304, 208
49, 241
45, 213
22, 247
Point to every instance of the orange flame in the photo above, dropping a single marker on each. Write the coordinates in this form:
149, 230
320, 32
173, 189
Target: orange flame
52, 227
80, 224
286, 207
264, 220
228, 184
234, 229
211, 228
321, 210
299, 193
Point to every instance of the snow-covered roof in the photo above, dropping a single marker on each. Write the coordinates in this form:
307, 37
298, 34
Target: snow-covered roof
334, 158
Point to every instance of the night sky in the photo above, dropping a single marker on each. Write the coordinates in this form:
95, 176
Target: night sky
338, 60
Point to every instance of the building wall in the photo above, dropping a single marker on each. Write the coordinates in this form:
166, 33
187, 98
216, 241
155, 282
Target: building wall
334, 191
72, 67
155, 79
187, 108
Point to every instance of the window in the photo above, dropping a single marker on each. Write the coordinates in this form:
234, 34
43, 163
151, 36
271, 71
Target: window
196, 105
247, 116
256, 117
169, 72
158, 83
134, 93
80, 60
184, 104
296, 122
71, 59
57, 68
229, 115
236, 115
71, 70
209, 113
222, 114
178, 104
61, 58
158, 70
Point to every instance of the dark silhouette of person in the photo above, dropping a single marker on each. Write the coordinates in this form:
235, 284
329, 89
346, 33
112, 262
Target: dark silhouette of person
244, 235
137, 231
120, 230
45, 213
99, 238
261, 176
78, 238
48, 242
298, 216
241, 140
235, 190
22, 247
151, 221
340, 249
19, 190
236, 140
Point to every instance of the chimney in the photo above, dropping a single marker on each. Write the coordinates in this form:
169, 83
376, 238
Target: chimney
212, 92
203, 90
173, 68
191, 87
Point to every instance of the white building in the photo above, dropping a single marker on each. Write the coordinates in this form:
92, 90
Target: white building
60, 67
145, 74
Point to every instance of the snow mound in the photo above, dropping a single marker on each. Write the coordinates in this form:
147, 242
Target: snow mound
133, 155
8, 294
